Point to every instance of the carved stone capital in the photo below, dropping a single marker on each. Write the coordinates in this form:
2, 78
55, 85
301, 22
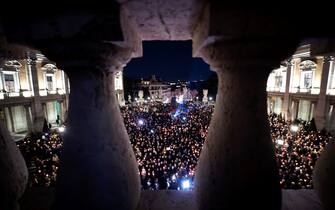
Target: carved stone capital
328, 59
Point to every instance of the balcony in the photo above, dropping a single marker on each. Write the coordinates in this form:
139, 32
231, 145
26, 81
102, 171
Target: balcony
275, 89
312, 91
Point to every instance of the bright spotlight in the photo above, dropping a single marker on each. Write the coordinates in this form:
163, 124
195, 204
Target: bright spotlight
210, 98
140, 122
61, 129
294, 128
280, 141
185, 185
180, 99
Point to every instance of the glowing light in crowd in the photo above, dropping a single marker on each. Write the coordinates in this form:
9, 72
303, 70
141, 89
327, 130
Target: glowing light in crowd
173, 177
168, 148
152, 131
280, 141
210, 98
148, 98
294, 128
176, 114
185, 185
140, 122
180, 99
135, 99
184, 118
61, 129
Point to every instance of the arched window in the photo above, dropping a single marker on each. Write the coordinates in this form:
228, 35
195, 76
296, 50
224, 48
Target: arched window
10, 83
50, 80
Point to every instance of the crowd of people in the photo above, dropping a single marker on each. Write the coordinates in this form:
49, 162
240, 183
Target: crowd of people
298, 145
41, 152
167, 140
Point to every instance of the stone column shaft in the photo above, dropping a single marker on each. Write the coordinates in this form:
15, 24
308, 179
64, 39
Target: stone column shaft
286, 102
13, 172
237, 165
98, 168
37, 110
28, 117
321, 106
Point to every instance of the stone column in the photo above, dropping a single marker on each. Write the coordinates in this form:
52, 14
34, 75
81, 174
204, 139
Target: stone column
286, 102
98, 169
205, 97
323, 176
28, 117
237, 166
321, 106
11, 119
67, 92
36, 108
140, 96
13, 172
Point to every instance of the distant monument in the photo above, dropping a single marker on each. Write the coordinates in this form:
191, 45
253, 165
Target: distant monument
205, 93
140, 95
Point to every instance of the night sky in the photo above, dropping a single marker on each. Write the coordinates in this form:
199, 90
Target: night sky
169, 60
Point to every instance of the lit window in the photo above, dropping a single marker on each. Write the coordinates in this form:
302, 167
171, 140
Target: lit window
9, 82
50, 84
278, 81
307, 77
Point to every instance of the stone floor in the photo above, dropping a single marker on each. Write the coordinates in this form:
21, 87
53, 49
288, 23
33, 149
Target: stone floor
42, 199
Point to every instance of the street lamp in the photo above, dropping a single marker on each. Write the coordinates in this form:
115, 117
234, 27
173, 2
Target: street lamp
294, 128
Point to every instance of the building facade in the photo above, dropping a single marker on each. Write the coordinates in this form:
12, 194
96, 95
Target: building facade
303, 87
119, 91
32, 90
158, 90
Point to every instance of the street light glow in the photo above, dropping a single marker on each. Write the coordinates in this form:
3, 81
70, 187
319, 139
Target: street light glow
294, 128
61, 129
280, 141
140, 122
185, 184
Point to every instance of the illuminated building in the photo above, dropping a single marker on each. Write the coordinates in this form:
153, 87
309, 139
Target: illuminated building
303, 87
32, 89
